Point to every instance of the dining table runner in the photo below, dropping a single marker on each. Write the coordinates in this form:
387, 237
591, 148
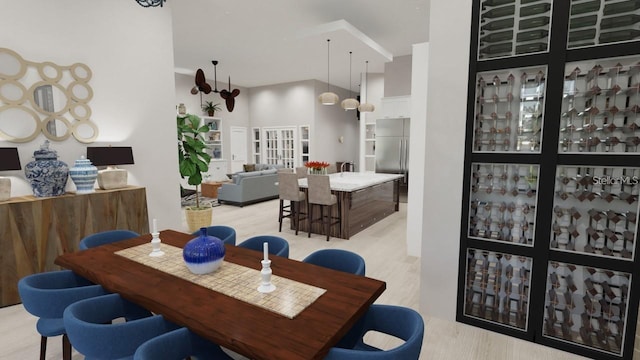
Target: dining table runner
240, 282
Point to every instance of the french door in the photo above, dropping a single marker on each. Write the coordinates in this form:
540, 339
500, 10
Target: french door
280, 145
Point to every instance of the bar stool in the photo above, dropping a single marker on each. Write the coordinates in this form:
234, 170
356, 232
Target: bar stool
319, 193
289, 190
302, 172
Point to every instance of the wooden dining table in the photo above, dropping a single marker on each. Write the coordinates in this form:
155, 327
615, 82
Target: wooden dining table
240, 326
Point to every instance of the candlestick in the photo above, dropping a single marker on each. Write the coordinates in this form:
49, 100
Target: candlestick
155, 244
265, 247
155, 225
265, 274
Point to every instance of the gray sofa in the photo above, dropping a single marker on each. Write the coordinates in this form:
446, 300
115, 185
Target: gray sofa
250, 187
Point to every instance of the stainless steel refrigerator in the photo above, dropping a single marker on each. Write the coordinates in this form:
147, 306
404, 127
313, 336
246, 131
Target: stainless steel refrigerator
392, 148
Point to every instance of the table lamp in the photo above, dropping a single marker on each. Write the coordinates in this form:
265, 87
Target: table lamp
110, 156
9, 160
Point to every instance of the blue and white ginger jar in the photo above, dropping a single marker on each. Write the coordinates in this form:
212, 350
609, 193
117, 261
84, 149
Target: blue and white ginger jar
46, 174
203, 254
84, 175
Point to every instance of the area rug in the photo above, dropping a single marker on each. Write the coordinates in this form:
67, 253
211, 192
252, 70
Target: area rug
190, 200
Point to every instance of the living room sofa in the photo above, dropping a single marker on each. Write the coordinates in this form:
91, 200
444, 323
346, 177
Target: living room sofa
251, 186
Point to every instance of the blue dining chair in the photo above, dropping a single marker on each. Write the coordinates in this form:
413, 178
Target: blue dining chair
401, 322
106, 237
47, 295
277, 245
178, 345
94, 333
337, 259
225, 233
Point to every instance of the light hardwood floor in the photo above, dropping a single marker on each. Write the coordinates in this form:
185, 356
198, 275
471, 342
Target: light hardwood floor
382, 246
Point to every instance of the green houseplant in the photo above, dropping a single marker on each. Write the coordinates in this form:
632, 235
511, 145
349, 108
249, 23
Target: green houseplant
210, 108
193, 160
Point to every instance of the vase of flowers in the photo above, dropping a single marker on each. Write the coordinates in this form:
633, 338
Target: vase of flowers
317, 167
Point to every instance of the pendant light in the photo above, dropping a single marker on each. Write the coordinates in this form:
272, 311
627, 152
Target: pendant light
350, 103
365, 106
328, 98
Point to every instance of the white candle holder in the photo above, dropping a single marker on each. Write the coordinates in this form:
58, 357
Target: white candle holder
155, 245
266, 286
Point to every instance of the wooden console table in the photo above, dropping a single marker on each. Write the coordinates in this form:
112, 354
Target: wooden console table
34, 231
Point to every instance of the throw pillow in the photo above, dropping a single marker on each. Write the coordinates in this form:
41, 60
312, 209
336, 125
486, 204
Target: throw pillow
249, 167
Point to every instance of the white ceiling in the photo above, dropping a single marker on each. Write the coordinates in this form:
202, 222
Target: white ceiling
263, 42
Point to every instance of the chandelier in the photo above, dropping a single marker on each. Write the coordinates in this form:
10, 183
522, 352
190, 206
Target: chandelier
150, 3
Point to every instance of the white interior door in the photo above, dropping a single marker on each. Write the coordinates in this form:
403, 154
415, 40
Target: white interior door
238, 148
280, 146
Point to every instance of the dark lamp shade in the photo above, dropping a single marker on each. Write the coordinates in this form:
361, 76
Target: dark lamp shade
110, 155
9, 159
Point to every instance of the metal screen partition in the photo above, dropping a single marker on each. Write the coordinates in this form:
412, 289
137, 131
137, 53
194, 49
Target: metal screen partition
552, 174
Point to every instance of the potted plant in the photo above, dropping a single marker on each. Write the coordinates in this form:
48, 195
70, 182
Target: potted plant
194, 160
210, 108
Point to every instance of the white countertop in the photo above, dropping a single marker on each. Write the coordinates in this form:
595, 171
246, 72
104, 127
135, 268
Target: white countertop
353, 181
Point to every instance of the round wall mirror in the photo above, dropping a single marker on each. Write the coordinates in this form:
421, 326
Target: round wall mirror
80, 111
49, 98
18, 123
56, 128
80, 91
50, 72
11, 65
12, 92
80, 72
85, 131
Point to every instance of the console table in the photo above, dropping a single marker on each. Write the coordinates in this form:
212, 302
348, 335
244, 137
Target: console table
34, 231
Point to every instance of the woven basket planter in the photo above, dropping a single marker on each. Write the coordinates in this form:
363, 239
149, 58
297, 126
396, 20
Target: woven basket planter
198, 217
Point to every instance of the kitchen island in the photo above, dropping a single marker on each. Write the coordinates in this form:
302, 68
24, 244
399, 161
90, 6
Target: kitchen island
364, 199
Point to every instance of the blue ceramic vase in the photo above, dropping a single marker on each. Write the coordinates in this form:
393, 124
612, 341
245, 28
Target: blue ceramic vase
203, 254
46, 174
84, 175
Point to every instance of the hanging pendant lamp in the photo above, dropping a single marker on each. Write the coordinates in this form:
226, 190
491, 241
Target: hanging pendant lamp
365, 106
328, 98
350, 103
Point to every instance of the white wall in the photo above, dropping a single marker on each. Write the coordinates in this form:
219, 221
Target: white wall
444, 146
130, 52
417, 149
397, 76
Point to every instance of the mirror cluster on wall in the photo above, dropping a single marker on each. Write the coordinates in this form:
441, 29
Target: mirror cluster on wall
43, 97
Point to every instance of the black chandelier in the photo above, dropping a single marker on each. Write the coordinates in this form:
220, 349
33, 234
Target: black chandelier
150, 3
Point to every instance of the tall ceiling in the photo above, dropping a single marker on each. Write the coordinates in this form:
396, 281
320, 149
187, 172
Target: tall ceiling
263, 42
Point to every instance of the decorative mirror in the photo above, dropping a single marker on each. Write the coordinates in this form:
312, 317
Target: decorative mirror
44, 98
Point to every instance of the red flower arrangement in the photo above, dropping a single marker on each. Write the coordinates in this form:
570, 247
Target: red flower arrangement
316, 165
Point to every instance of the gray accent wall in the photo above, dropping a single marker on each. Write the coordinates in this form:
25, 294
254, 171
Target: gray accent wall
295, 104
